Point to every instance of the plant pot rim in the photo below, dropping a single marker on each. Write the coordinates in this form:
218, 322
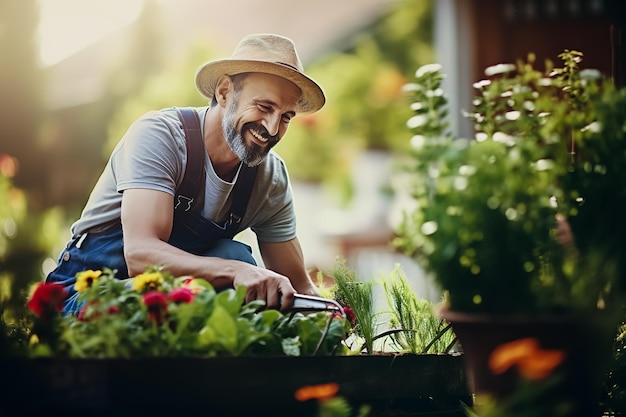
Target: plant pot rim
452, 315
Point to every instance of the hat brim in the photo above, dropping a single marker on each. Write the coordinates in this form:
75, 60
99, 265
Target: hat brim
312, 98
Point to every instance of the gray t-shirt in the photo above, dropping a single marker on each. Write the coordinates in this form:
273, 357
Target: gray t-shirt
152, 155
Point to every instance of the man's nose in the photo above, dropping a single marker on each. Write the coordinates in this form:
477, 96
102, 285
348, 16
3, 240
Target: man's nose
273, 124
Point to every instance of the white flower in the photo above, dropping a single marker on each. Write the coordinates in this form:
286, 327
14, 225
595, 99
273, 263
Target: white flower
410, 87
593, 127
501, 137
467, 170
512, 115
481, 136
427, 69
480, 84
416, 121
416, 106
544, 164
428, 228
499, 69
434, 93
418, 141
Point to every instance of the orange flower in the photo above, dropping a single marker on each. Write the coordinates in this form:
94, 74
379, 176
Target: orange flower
541, 364
317, 392
510, 354
532, 362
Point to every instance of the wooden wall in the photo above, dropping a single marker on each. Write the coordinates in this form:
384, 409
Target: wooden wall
505, 30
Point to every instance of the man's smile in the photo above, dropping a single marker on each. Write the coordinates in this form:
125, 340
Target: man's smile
258, 136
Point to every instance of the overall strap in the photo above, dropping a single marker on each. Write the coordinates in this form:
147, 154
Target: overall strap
194, 178
243, 190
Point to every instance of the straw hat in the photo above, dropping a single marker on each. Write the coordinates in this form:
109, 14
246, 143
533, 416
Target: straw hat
266, 53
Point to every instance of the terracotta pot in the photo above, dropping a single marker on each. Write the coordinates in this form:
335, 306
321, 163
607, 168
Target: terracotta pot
586, 341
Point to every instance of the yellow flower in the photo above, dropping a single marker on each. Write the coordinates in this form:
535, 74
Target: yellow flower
532, 362
150, 280
85, 279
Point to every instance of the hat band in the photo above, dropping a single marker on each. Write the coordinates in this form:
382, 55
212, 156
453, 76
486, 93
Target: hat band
288, 65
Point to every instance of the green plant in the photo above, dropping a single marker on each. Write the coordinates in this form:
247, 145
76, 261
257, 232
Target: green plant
492, 214
157, 315
358, 296
412, 326
415, 326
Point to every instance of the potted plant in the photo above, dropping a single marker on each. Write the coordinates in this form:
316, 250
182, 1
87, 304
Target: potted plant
521, 224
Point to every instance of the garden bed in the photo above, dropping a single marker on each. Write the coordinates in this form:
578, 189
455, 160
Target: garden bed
393, 385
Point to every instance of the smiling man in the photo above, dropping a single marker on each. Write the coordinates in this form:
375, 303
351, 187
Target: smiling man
181, 183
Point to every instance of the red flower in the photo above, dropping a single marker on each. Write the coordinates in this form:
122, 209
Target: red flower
350, 315
94, 314
181, 295
157, 306
82, 314
47, 300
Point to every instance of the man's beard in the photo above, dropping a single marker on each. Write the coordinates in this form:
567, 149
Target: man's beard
251, 155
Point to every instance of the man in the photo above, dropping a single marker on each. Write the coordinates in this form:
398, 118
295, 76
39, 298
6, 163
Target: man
154, 206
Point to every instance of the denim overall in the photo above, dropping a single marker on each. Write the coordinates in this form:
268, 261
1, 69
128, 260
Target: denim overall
191, 231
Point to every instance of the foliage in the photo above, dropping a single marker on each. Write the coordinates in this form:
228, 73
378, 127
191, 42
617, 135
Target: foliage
155, 314
492, 214
615, 384
416, 328
358, 296
413, 324
26, 237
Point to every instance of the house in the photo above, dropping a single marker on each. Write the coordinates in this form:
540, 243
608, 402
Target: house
474, 34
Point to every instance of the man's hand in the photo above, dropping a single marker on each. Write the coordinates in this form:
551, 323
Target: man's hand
262, 284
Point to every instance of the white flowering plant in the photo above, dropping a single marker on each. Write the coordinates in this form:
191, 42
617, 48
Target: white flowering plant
526, 216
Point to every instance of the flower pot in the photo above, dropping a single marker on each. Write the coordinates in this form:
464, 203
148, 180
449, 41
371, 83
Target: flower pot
243, 386
586, 342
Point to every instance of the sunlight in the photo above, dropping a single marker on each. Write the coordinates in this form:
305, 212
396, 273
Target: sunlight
67, 26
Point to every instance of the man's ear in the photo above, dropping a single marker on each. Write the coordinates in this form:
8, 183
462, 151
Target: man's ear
223, 89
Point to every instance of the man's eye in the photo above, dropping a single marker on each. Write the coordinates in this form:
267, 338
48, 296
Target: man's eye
264, 108
286, 119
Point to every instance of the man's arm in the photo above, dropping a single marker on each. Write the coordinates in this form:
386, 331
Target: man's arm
286, 258
147, 218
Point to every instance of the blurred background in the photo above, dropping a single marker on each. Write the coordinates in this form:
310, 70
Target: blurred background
74, 74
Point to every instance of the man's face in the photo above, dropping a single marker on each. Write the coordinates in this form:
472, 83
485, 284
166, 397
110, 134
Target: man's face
258, 116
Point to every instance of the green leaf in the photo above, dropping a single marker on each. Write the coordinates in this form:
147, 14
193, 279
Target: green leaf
220, 330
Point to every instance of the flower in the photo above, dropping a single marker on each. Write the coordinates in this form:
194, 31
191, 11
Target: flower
350, 315
317, 392
85, 279
150, 280
193, 285
47, 300
90, 311
157, 306
181, 317
181, 295
532, 362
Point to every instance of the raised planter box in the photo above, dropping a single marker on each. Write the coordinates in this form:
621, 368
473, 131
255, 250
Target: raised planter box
400, 385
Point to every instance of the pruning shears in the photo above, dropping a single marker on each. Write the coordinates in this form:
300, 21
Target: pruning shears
304, 302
